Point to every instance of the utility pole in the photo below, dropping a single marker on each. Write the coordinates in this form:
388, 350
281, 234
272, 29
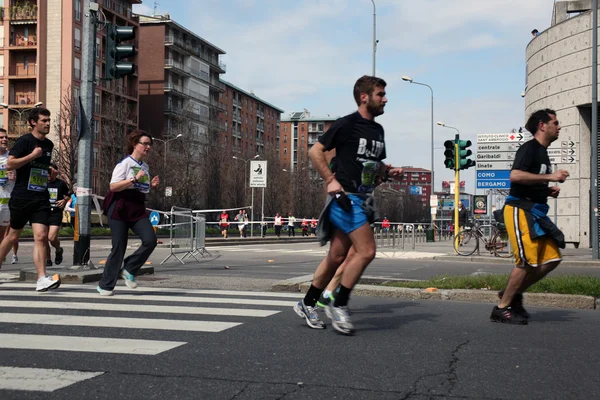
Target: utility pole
81, 254
374, 34
594, 139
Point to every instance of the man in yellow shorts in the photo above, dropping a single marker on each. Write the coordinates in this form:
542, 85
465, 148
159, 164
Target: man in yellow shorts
535, 240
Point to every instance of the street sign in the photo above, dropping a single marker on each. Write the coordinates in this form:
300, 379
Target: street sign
490, 179
503, 137
506, 165
168, 191
416, 190
154, 218
258, 174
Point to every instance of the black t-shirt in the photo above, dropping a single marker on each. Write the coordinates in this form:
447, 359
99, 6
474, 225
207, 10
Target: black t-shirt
57, 190
359, 147
32, 178
532, 157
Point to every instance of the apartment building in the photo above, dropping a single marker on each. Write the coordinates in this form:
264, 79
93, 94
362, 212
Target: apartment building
250, 124
299, 132
179, 80
41, 63
416, 182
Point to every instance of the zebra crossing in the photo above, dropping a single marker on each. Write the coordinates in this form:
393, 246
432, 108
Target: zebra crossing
66, 315
317, 251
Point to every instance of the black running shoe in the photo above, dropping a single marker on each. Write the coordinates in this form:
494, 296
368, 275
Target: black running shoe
516, 304
507, 315
59, 256
48, 263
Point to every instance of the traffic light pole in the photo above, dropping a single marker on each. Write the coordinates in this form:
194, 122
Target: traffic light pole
456, 182
81, 254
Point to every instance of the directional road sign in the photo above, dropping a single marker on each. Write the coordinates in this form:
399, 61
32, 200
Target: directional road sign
154, 218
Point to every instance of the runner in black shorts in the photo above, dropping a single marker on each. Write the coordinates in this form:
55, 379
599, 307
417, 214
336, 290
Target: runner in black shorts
29, 200
59, 195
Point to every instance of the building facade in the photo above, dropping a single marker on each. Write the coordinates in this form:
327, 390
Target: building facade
416, 182
41, 63
250, 124
559, 77
299, 132
179, 80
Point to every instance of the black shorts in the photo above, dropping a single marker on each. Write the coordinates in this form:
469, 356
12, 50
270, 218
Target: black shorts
56, 217
34, 211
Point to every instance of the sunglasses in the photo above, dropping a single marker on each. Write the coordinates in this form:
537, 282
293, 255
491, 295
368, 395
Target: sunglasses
146, 144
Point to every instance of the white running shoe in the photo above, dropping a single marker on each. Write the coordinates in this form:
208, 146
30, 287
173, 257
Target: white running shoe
103, 292
46, 283
15, 260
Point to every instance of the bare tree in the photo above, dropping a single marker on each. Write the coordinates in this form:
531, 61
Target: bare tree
65, 125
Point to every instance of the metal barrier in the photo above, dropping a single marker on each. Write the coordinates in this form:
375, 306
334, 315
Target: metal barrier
181, 234
396, 234
199, 244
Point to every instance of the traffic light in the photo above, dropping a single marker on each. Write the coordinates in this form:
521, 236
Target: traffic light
115, 52
463, 153
450, 160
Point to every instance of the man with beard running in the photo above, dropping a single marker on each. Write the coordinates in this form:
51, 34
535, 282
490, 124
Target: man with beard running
359, 144
29, 200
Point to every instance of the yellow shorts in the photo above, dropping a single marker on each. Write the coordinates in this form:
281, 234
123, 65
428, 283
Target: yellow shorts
540, 251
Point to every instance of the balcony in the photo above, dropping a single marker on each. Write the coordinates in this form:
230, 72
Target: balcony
20, 41
237, 103
236, 118
22, 71
237, 133
260, 126
18, 128
260, 114
179, 66
187, 46
23, 13
27, 99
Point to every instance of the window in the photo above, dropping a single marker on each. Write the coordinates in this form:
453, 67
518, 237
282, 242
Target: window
77, 69
97, 103
95, 159
285, 150
284, 138
226, 126
75, 92
77, 39
25, 62
78, 10
96, 129
98, 52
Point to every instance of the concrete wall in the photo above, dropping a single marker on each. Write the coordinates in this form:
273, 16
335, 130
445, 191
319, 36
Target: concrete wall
559, 77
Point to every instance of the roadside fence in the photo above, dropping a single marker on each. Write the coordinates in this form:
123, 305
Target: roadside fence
181, 228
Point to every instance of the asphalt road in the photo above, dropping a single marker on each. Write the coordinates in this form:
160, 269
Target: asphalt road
402, 349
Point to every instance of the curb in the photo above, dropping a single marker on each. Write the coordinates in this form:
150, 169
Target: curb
568, 262
75, 277
367, 287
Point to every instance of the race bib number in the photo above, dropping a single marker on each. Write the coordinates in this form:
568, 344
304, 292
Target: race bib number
53, 195
143, 184
3, 175
38, 180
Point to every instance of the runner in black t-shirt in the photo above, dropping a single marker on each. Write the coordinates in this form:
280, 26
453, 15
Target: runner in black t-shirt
29, 201
59, 195
535, 255
359, 144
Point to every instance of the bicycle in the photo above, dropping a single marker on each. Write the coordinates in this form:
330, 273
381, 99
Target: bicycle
466, 242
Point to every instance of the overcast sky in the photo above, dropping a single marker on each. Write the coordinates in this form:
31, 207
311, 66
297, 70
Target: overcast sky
300, 54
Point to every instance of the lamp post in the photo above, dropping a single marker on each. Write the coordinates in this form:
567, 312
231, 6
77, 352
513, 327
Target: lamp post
374, 34
245, 168
21, 111
166, 143
410, 80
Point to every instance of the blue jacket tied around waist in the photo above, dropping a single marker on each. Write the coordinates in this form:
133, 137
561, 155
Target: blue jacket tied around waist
537, 219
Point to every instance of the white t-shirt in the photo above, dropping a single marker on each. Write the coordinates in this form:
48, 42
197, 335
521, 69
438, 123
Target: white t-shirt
6, 185
278, 221
127, 169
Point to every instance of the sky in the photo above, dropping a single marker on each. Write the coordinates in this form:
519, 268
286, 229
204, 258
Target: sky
307, 54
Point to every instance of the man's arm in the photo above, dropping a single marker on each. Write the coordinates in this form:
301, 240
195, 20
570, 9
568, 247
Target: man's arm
528, 178
16, 163
319, 161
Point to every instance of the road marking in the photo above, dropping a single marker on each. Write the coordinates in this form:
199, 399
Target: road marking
86, 344
144, 297
117, 322
138, 308
41, 380
172, 290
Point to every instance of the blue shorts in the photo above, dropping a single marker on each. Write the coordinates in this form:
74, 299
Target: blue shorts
348, 221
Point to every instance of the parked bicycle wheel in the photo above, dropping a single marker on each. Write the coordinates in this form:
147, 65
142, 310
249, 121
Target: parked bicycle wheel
501, 245
466, 242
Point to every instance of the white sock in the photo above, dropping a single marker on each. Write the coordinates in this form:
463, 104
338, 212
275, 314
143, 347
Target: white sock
326, 293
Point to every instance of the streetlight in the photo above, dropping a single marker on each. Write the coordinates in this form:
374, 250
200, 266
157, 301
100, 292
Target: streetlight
166, 143
21, 111
245, 167
410, 80
375, 41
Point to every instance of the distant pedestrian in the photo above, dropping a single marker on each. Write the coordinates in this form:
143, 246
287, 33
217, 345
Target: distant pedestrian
385, 225
59, 195
313, 227
277, 224
125, 207
304, 227
291, 228
241, 222
534, 238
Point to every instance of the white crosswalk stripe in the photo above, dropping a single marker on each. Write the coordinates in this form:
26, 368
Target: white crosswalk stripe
79, 307
269, 250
